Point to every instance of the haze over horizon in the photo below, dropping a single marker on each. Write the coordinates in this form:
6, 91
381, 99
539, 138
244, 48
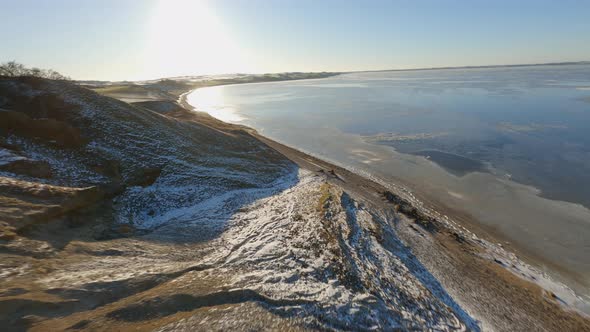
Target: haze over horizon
132, 40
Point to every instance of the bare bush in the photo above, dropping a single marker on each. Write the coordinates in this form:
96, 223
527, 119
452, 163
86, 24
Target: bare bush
15, 69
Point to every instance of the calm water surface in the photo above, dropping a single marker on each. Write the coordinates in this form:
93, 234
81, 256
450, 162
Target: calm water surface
509, 147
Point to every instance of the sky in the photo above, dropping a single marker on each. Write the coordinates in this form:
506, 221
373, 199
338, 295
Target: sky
146, 39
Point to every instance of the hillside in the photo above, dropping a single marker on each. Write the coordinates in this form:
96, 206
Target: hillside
148, 216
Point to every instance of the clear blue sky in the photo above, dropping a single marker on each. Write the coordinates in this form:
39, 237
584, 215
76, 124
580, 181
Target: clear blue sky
138, 39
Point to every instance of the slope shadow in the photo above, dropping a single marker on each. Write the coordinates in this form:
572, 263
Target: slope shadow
208, 219
429, 281
161, 307
198, 226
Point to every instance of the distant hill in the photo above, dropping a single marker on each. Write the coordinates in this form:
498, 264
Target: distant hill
485, 66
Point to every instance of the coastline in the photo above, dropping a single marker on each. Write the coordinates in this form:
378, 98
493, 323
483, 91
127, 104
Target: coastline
453, 222
214, 217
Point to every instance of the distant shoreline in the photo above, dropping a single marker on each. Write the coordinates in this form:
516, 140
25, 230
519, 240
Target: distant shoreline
573, 63
335, 73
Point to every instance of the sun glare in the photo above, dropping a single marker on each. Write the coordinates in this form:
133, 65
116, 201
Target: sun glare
186, 38
211, 100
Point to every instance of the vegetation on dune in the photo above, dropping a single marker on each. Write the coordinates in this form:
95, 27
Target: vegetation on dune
15, 69
325, 197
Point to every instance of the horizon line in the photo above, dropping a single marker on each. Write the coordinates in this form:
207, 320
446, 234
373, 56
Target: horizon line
355, 71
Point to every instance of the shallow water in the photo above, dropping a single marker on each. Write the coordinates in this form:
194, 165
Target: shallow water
507, 146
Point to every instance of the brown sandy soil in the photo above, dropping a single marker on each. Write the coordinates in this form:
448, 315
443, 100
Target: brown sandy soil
66, 264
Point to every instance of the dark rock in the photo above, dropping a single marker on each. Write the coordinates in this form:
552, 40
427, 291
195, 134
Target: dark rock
421, 219
8, 146
110, 168
428, 224
458, 237
13, 292
144, 177
61, 133
117, 231
391, 197
48, 106
80, 325
34, 168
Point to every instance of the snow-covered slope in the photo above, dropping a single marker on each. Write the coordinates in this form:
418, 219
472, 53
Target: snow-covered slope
188, 163
309, 253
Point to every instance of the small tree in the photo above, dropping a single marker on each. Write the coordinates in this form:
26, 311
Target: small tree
12, 68
36, 72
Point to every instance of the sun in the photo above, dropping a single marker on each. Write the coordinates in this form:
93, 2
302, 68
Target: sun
186, 38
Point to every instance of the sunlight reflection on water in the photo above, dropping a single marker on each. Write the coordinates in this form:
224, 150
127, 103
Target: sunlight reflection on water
211, 101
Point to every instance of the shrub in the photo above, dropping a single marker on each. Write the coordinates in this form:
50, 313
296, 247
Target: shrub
15, 69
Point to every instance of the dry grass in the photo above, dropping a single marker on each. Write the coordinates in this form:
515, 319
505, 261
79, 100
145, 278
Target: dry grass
325, 197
